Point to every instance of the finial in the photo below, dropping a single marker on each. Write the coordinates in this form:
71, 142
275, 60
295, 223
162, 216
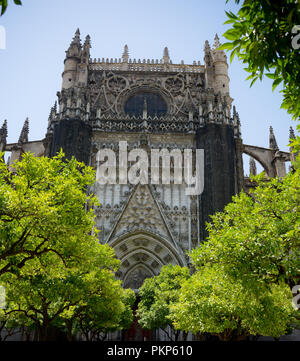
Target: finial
53, 111
216, 42
252, 166
272, 140
4, 128
76, 40
24, 133
86, 50
234, 114
166, 55
3, 132
75, 46
206, 47
207, 54
292, 133
87, 42
125, 55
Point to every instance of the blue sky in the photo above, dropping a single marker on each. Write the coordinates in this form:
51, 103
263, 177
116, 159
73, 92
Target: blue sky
39, 32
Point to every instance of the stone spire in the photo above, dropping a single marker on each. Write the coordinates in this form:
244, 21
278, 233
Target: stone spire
292, 133
3, 131
166, 56
76, 40
125, 55
86, 49
291, 137
3, 135
75, 46
252, 166
53, 113
216, 42
207, 54
272, 140
24, 133
236, 123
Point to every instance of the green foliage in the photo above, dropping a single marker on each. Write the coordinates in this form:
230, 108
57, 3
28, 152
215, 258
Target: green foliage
261, 36
246, 266
54, 270
42, 209
211, 301
4, 3
45, 290
257, 237
128, 299
105, 306
157, 294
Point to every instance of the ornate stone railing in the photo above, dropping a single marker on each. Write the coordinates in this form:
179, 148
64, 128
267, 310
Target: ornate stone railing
155, 126
144, 65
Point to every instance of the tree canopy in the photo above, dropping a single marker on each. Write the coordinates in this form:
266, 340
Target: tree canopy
43, 208
213, 302
264, 35
245, 269
157, 294
55, 271
257, 236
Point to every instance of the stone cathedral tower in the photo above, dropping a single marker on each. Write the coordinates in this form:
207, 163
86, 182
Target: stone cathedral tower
151, 104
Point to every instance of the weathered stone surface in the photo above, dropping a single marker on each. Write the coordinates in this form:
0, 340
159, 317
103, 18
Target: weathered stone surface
73, 136
218, 143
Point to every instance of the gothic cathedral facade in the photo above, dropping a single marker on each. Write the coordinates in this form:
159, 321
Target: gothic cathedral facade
151, 104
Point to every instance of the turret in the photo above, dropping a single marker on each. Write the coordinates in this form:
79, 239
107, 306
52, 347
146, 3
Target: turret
221, 78
73, 58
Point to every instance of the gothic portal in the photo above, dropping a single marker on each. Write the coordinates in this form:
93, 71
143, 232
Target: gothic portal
150, 104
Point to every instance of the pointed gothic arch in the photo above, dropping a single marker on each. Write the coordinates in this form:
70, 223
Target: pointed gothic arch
142, 254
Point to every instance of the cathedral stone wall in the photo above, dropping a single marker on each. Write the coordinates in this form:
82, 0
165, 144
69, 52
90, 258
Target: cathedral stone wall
220, 169
73, 136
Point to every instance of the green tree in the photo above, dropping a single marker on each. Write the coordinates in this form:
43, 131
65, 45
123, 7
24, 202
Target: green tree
157, 294
43, 208
46, 290
51, 263
263, 35
4, 3
212, 302
257, 236
111, 311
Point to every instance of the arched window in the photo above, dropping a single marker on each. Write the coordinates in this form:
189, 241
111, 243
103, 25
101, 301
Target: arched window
153, 102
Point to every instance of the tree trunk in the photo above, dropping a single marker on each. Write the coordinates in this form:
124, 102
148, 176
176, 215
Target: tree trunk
69, 326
